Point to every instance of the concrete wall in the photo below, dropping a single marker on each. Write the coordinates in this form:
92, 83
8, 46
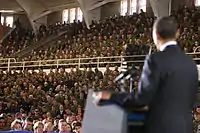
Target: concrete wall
26, 23
110, 9
54, 17
149, 8
176, 3
23, 19
40, 21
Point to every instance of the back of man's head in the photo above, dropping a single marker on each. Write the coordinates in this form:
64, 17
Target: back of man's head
166, 28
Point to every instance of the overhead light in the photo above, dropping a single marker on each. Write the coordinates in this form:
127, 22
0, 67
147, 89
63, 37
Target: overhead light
6, 11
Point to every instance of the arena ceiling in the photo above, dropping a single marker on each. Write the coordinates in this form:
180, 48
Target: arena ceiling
15, 5
36, 9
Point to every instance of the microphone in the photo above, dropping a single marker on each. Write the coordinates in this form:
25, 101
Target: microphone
119, 77
150, 50
132, 72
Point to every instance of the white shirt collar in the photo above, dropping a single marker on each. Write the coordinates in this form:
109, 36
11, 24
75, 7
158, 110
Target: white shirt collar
169, 43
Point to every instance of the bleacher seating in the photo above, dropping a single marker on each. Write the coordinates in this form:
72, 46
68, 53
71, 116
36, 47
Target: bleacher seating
28, 91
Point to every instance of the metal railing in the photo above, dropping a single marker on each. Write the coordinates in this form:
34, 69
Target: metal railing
11, 63
7, 59
96, 61
196, 49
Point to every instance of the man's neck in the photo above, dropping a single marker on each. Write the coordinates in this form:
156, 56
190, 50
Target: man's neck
165, 44
162, 42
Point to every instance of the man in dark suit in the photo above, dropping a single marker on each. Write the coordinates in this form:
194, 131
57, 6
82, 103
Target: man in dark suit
61, 112
168, 84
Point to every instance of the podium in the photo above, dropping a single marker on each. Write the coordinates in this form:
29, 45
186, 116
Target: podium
103, 119
136, 122
110, 118
15, 132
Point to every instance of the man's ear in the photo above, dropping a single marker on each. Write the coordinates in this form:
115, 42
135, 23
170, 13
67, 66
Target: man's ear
158, 36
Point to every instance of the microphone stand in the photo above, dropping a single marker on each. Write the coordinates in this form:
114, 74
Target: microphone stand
122, 85
121, 80
131, 84
131, 78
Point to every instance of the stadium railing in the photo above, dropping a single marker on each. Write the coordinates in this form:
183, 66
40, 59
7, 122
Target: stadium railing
11, 63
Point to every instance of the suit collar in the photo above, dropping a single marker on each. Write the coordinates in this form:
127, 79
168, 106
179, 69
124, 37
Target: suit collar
169, 43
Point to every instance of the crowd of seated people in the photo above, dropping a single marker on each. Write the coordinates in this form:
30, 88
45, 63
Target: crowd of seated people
54, 101
108, 37
20, 38
48, 100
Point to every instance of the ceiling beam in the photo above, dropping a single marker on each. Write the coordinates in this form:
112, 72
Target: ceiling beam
33, 10
161, 8
37, 9
89, 15
63, 6
42, 15
99, 4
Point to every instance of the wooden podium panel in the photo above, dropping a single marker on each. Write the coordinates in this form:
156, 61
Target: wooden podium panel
103, 119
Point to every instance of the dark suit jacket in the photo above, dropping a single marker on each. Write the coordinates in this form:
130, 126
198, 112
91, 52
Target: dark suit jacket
168, 85
61, 114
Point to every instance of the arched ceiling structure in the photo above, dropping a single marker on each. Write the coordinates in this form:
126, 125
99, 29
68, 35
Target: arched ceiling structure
91, 9
18, 5
36, 9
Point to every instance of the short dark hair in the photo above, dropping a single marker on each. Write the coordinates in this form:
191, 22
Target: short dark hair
166, 27
30, 119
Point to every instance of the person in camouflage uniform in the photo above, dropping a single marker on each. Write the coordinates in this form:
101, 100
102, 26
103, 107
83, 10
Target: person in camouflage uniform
197, 120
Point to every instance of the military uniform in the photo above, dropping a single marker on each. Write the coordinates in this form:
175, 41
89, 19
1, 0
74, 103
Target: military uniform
196, 126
